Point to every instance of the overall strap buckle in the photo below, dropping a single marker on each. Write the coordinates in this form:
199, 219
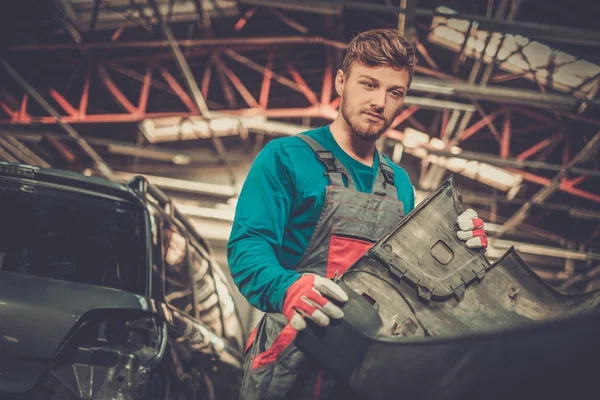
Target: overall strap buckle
327, 158
388, 174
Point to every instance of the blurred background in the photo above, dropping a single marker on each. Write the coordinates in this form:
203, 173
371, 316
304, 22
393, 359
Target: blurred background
187, 92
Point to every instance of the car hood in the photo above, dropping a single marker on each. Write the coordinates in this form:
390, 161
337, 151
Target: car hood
37, 315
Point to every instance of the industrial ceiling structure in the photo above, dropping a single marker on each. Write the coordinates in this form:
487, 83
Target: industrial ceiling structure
186, 92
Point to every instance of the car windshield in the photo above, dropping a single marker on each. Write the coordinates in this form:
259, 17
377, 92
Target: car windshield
74, 237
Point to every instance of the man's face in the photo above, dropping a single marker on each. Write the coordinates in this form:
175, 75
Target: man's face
372, 98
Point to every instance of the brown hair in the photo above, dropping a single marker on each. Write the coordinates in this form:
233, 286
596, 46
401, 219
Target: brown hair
379, 48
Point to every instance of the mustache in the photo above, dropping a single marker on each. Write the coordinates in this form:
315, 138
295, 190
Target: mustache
370, 111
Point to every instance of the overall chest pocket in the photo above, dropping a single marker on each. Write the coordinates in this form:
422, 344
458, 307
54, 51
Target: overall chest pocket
350, 239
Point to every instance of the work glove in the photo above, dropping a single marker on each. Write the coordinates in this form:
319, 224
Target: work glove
306, 298
471, 230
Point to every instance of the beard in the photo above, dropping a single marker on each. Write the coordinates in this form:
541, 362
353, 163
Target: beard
364, 131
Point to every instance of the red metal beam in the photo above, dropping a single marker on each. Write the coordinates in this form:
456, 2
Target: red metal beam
327, 80
115, 91
404, 115
416, 124
83, 103
534, 115
473, 129
243, 20
503, 77
206, 79
144, 93
176, 87
289, 22
580, 193
69, 109
118, 32
574, 182
205, 43
308, 93
528, 176
423, 50
237, 83
63, 150
490, 125
11, 113
505, 141
445, 118
565, 185
262, 70
538, 146
335, 103
23, 116
139, 77
265, 88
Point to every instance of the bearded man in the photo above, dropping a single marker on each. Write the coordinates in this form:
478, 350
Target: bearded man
311, 206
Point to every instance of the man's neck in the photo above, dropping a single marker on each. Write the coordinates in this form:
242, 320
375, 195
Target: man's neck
361, 150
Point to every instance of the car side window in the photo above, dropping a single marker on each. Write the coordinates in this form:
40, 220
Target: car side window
178, 286
206, 297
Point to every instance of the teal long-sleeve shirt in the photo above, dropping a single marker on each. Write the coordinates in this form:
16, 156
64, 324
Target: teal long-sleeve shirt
278, 209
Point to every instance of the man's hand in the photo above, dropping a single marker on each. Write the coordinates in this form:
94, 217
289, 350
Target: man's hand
306, 299
471, 230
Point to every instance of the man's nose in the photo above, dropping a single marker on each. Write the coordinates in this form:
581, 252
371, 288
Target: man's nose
378, 99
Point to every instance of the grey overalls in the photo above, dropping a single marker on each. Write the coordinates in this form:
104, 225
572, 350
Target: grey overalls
349, 224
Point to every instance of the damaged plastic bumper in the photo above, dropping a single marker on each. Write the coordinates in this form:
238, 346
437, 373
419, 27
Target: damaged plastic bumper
429, 318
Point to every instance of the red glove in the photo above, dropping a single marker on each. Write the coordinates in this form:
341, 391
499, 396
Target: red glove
471, 230
306, 299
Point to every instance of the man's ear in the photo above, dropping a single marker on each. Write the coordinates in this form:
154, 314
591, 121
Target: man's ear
340, 79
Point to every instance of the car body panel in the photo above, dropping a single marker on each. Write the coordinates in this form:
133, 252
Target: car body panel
425, 324
18, 374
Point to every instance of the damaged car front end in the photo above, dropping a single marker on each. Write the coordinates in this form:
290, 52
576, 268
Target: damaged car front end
69, 340
91, 304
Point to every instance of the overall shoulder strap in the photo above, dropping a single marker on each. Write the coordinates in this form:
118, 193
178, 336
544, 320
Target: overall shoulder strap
384, 183
333, 168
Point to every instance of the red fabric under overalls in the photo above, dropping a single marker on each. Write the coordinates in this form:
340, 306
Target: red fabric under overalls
349, 224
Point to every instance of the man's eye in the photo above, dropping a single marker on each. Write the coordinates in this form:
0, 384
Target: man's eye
397, 94
369, 84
